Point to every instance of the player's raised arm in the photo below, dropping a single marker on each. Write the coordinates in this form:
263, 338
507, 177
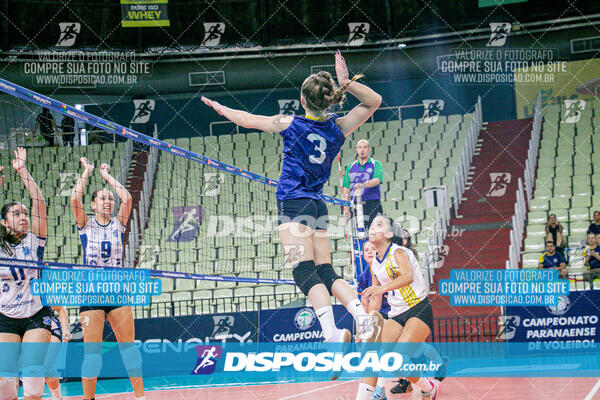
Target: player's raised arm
77, 193
39, 220
274, 124
369, 99
124, 195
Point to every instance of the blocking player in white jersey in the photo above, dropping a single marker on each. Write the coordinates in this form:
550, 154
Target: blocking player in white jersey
23, 318
396, 271
102, 240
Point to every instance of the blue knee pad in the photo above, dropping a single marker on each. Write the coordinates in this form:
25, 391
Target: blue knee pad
132, 359
92, 364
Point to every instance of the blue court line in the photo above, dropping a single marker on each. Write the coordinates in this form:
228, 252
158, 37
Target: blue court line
119, 386
516, 368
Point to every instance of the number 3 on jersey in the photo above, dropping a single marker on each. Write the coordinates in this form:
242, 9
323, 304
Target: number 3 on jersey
105, 249
320, 146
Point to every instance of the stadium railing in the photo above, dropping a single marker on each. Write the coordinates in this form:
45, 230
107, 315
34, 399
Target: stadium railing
462, 170
466, 329
436, 241
524, 195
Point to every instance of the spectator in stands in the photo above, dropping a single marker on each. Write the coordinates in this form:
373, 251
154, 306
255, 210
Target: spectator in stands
595, 226
364, 174
554, 233
551, 259
68, 128
592, 257
47, 126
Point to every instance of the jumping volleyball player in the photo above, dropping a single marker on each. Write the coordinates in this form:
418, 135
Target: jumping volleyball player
102, 241
23, 318
310, 144
397, 272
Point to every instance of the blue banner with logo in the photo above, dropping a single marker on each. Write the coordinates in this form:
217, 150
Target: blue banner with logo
233, 327
232, 363
298, 324
572, 324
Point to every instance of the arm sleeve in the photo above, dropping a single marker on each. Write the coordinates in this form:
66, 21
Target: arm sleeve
378, 171
346, 183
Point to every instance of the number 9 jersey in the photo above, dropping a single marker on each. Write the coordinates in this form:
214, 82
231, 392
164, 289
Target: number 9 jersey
102, 244
309, 147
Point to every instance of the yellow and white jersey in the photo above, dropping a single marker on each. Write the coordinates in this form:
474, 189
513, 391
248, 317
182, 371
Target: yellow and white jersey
386, 270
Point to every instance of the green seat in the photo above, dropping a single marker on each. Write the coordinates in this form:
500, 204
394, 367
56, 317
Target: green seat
579, 213
531, 260
537, 217
539, 204
536, 230
409, 123
581, 201
559, 202
578, 228
546, 162
563, 169
534, 242
542, 192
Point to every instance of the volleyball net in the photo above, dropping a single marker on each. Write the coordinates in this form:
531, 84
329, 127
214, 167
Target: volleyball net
193, 216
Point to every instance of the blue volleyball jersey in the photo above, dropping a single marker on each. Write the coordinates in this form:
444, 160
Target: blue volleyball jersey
309, 148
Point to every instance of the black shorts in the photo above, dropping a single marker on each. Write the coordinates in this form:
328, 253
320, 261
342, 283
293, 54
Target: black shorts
422, 311
106, 309
40, 320
310, 212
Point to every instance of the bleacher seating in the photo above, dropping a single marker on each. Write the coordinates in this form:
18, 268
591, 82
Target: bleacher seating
567, 184
49, 167
413, 156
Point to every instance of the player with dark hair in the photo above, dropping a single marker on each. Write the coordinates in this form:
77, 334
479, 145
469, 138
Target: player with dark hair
310, 144
396, 271
23, 318
102, 241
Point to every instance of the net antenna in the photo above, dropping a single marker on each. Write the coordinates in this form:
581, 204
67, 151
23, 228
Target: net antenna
349, 252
